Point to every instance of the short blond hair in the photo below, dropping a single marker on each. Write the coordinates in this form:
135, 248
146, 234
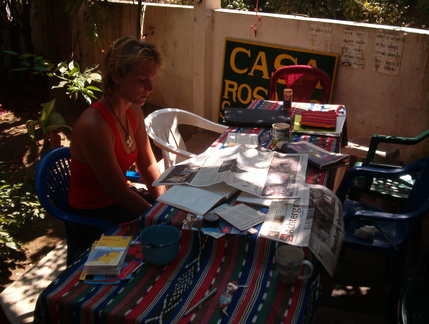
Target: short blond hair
123, 55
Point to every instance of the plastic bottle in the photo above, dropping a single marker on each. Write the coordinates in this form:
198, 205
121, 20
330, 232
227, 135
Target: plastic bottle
287, 99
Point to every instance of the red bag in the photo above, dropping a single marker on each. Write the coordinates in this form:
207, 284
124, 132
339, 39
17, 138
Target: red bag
319, 119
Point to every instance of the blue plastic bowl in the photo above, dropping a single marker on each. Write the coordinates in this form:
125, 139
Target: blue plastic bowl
160, 243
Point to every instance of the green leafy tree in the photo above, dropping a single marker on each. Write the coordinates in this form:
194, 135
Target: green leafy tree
405, 13
77, 82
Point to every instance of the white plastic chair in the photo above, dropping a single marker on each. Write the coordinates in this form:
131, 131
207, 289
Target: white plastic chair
162, 128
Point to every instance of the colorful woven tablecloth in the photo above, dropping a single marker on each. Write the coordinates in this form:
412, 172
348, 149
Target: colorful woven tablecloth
157, 294
329, 143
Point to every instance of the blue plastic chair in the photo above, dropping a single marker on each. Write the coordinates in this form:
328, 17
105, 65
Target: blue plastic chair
396, 190
394, 230
52, 187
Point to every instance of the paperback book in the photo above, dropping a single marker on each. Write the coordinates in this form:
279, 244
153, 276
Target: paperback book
107, 255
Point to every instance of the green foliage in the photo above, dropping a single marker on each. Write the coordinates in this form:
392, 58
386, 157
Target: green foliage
77, 82
33, 63
404, 13
50, 120
18, 207
244, 5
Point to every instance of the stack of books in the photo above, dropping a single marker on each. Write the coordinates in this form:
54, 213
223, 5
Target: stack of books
107, 255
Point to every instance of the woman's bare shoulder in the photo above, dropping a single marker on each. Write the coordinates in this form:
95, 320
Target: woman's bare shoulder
91, 130
90, 117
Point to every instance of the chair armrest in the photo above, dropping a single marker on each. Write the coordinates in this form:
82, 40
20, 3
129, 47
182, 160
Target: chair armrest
383, 216
133, 176
208, 125
163, 145
379, 215
377, 139
370, 171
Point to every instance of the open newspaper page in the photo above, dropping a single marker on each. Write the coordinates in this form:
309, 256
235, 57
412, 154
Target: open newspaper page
286, 175
250, 171
261, 172
289, 220
327, 231
217, 167
313, 219
201, 171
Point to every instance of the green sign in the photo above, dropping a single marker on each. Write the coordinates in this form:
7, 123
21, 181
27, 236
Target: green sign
247, 69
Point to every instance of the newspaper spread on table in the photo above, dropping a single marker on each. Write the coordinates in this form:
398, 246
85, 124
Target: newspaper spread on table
312, 219
258, 171
299, 214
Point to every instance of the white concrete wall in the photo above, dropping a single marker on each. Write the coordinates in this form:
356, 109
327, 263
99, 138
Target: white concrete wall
171, 28
376, 102
192, 43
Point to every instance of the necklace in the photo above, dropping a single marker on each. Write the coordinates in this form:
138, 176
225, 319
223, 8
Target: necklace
128, 139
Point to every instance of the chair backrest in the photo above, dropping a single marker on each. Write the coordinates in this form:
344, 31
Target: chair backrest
417, 201
162, 126
302, 79
419, 194
52, 188
53, 180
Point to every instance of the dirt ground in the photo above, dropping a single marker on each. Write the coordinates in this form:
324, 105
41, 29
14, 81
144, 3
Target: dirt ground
17, 150
42, 237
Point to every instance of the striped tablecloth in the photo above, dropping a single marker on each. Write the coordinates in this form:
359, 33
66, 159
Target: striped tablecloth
157, 294
329, 143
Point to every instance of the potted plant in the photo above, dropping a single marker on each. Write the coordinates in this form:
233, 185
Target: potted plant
75, 83
50, 123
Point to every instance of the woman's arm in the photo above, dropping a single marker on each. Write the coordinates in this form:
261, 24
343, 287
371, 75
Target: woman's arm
146, 162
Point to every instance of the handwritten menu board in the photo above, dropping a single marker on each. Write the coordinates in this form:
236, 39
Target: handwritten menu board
388, 53
353, 50
319, 37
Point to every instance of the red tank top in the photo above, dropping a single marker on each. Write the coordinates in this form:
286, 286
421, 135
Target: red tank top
86, 191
